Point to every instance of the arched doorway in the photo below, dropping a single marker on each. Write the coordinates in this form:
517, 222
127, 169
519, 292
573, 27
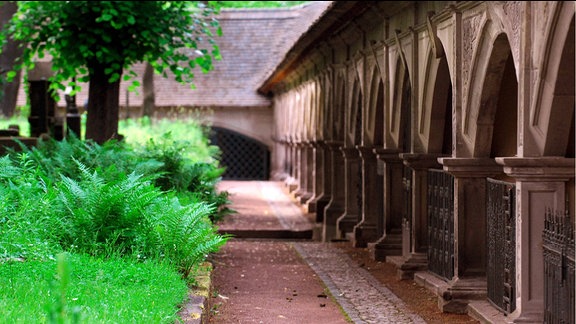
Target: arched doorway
244, 158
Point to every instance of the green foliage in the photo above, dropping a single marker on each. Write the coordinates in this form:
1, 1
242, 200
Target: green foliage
260, 4
109, 200
187, 163
136, 220
177, 172
84, 36
187, 131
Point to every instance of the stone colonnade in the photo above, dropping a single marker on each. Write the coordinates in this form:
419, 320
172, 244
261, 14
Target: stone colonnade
386, 98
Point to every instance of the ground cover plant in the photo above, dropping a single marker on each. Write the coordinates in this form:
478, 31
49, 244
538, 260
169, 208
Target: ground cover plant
130, 235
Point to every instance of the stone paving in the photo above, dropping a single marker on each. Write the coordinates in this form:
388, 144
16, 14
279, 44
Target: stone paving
361, 296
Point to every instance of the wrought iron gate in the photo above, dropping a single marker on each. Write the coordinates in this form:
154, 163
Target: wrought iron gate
407, 209
441, 223
501, 239
243, 157
407, 186
558, 246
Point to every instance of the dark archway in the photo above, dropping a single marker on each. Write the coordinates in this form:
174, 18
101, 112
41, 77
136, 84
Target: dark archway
244, 158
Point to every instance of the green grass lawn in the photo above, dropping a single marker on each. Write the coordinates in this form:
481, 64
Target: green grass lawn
96, 291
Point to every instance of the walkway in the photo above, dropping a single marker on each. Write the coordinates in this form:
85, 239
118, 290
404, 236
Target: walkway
259, 278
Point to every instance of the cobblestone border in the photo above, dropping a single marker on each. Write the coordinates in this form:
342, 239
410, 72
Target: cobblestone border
359, 294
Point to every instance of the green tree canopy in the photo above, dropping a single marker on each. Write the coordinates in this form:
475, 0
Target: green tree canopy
99, 41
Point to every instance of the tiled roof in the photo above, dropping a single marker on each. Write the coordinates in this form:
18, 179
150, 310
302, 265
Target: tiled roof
254, 41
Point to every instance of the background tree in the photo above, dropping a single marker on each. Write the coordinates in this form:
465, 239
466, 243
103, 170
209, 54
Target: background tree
10, 52
98, 42
149, 98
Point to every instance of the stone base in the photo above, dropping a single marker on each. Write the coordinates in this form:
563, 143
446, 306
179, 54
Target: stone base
345, 224
304, 197
320, 204
330, 227
364, 234
453, 297
485, 312
407, 266
388, 245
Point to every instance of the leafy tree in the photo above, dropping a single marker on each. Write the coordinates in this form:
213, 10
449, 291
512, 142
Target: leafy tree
261, 4
10, 52
99, 41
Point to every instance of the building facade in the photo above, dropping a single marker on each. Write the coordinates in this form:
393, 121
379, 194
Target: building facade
439, 135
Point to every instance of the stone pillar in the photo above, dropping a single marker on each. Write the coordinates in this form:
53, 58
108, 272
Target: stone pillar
322, 188
469, 280
291, 181
309, 173
415, 232
540, 184
280, 165
366, 231
335, 207
300, 171
351, 215
302, 194
390, 222
316, 179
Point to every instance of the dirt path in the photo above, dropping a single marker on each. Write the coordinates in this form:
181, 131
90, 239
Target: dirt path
263, 281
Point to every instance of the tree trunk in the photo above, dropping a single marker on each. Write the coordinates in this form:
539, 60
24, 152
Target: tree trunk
148, 103
103, 107
11, 51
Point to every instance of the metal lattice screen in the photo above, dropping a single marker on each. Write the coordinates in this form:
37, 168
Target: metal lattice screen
244, 158
559, 273
441, 223
501, 231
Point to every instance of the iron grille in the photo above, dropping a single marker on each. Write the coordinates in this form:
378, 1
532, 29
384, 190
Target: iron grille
244, 158
501, 231
558, 249
441, 223
407, 187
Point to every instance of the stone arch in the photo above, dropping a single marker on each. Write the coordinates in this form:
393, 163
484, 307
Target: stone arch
553, 114
319, 131
434, 125
375, 112
247, 128
354, 118
243, 157
399, 130
505, 119
338, 106
482, 112
327, 106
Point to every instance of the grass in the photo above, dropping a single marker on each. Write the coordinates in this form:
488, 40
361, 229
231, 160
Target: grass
98, 290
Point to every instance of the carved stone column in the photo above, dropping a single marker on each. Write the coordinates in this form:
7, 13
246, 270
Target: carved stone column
390, 222
292, 180
323, 180
335, 207
370, 199
351, 215
301, 171
281, 169
309, 173
540, 184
